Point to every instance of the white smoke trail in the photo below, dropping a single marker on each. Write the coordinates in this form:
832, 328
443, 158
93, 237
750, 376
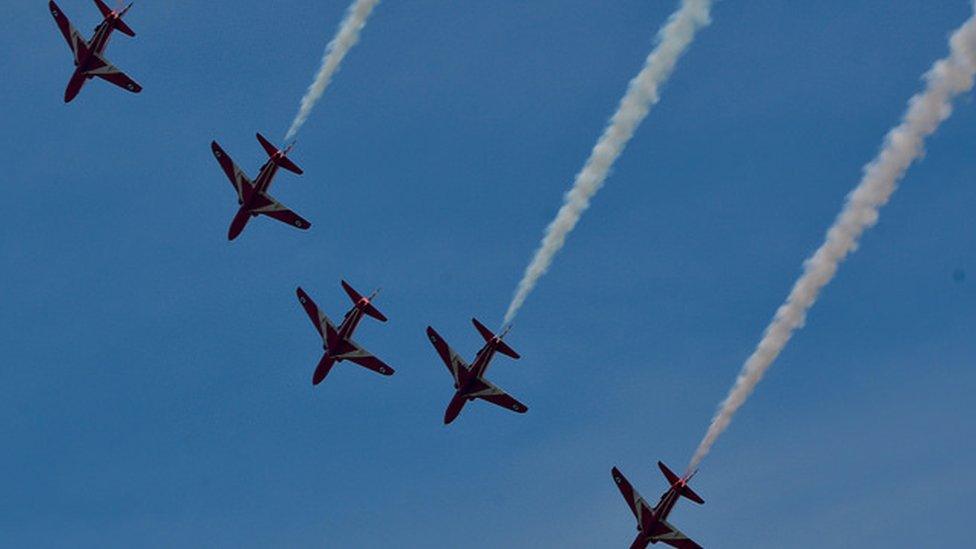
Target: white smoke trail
642, 93
947, 78
337, 49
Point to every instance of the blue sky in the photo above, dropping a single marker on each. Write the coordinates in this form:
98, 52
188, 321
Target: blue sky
155, 387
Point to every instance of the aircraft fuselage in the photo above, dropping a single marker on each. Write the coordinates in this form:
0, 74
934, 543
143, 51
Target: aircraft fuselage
480, 365
99, 40
349, 324
246, 211
467, 385
95, 46
666, 504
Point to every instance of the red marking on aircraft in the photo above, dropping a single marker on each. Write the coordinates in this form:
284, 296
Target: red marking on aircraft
469, 381
88, 58
652, 525
252, 196
337, 342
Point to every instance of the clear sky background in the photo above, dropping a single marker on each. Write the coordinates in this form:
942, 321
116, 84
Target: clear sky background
155, 387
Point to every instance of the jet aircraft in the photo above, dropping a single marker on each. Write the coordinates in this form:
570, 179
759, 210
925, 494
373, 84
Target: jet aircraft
253, 197
652, 525
337, 342
88, 58
469, 381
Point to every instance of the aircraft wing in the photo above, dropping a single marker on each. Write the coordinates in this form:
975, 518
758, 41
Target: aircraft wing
354, 352
640, 542
633, 499
106, 71
638, 505
242, 184
674, 538
318, 318
486, 390
270, 207
455, 364
71, 35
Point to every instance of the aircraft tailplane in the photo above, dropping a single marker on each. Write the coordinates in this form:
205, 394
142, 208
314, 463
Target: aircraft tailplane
119, 24
106, 11
684, 490
501, 347
356, 297
281, 160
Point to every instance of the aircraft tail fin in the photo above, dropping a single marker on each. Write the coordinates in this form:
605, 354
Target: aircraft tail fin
357, 298
488, 335
118, 23
279, 157
681, 483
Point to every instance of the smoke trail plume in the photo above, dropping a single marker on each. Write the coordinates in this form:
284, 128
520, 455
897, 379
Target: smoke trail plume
642, 93
947, 78
337, 49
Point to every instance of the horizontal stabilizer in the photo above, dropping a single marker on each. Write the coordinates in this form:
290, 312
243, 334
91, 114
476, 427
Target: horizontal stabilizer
278, 157
284, 162
357, 298
683, 487
118, 23
500, 346
106, 11
124, 28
